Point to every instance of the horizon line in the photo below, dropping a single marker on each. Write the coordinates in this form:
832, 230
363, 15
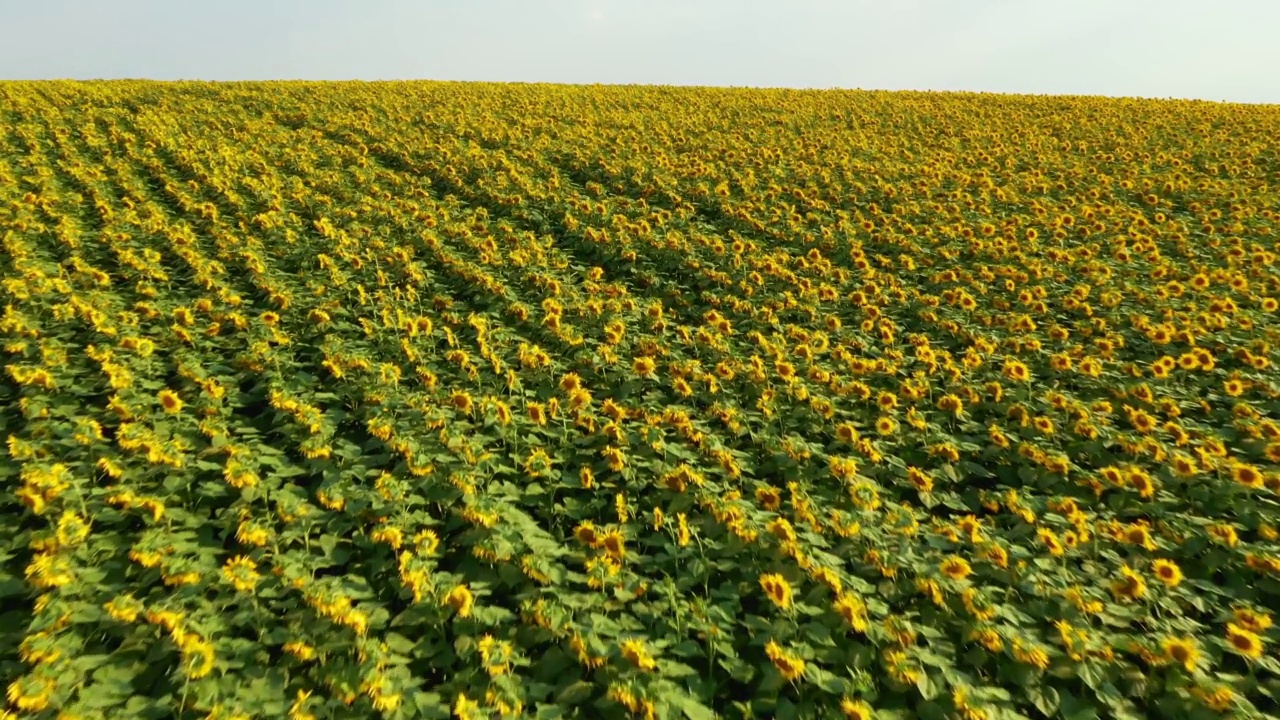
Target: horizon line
653, 85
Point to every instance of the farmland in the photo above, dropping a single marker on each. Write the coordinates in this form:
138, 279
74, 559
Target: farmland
419, 400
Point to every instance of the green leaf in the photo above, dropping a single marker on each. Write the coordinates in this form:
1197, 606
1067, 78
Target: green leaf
692, 709
685, 648
432, 706
464, 645
399, 643
87, 663
576, 693
930, 710
11, 586
926, 687
1045, 698
1075, 709
674, 669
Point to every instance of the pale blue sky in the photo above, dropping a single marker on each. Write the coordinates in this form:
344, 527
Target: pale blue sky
1210, 49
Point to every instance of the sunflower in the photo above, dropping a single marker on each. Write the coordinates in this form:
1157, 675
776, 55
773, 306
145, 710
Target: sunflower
1224, 534
1247, 475
791, 666
1129, 586
644, 366
785, 370
856, 709
770, 498
170, 401
1091, 367
1182, 651
1252, 620
461, 401
300, 650
615, 545
683, 535
952, 404
955, 567
1219, 698
637, 654
1016, 371
123, 608
886, 425
198, 656
987, 638
920, 479
586, 534
971, 526
242, 573
1168, 572
853, 610
1245, 642
460, 599
847, 433
997, 436
537, 412
30, 693
1141, 482
1051, 541
777, 589
252, 534
537, 464
465, 708
616, 459
1184, 465
1142, 421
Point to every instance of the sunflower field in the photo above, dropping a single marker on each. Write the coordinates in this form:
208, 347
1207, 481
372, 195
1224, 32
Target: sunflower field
431, 400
